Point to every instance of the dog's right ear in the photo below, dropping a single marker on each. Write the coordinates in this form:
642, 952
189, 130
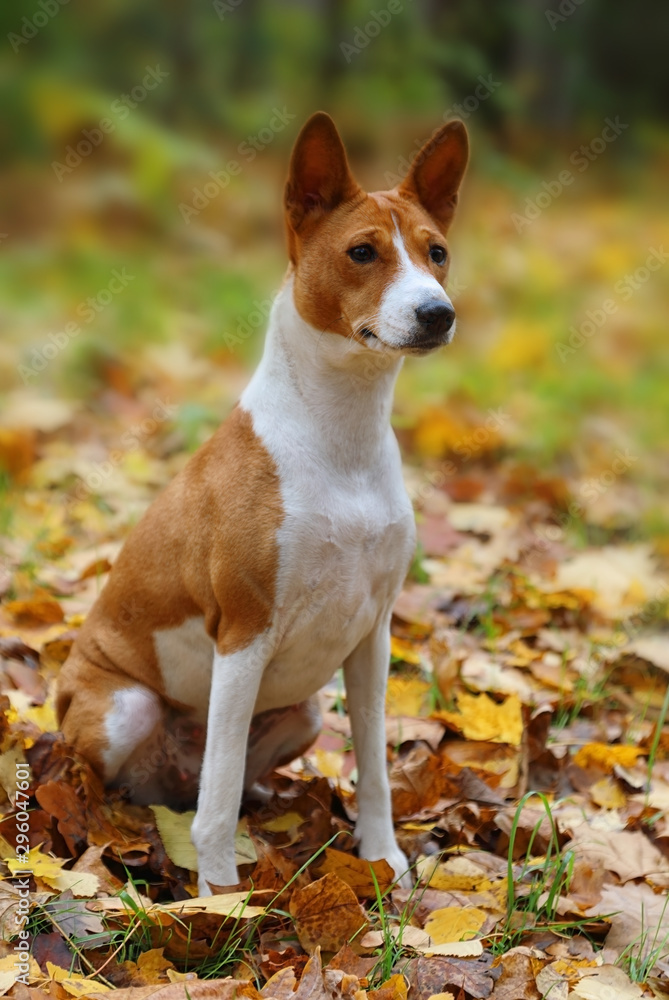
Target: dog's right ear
319, 177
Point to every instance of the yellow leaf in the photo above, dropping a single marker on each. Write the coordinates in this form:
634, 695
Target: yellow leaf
454, 923
607, 794
43, 716
606, 757
8, 965
41, 865
73, 983
329, 762
284, 823
174, 830
357, 873
394, 988
459, 875
407, 696
79, 883
405, 650
480, 718
152, 964
438, 432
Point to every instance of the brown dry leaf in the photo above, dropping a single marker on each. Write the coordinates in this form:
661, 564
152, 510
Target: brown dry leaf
520, 967
150, 967
327, 913
281, 985
481, 718
67, 807
454, 923
552, 983
356, 872
348, 961
607, 757
500, 762
312, 986
415, 781
633, 909
17, 450
629, 854
41, 609
428, 976
606, 983
91, 863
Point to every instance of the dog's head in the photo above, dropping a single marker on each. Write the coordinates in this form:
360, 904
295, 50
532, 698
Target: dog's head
371, 267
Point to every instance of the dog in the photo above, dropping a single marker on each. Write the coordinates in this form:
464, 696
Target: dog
275, 556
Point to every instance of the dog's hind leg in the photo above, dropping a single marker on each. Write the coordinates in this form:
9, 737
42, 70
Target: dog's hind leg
105, 716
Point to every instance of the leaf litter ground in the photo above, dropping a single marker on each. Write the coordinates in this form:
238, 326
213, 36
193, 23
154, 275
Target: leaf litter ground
528, 749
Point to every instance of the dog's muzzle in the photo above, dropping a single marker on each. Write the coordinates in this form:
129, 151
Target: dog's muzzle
436, 320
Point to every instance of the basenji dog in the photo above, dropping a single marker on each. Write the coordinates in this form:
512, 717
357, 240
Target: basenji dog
275, 556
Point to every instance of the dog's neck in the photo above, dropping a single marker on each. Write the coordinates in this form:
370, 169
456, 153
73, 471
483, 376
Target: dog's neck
331, 389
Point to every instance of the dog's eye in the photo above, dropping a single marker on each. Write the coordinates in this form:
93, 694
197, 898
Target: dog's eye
437, 254
362, 253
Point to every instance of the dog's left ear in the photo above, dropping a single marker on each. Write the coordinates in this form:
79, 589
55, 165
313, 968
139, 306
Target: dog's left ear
319, 177
436, 172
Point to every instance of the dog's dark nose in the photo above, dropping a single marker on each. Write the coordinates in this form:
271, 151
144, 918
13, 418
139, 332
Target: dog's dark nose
436, 317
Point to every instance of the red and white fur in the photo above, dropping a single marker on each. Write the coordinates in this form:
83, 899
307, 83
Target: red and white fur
275, 557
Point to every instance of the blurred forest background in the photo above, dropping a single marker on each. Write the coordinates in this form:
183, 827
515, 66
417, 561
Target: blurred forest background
144, 151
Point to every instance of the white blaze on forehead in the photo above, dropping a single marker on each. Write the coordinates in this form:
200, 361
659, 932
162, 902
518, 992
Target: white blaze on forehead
413, 287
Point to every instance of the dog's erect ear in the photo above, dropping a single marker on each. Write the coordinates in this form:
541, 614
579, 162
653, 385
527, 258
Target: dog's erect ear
437, 171
319, 177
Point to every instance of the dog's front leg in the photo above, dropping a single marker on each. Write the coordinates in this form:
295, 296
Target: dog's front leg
366, 674
234, 689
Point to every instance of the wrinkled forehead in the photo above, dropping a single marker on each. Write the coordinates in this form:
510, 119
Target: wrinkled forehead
388, 221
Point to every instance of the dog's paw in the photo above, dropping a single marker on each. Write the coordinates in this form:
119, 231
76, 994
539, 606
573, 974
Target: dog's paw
203, 889
397, 860
214, 883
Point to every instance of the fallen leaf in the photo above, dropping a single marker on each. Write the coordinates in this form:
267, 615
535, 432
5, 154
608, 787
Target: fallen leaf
606, 983
394, 988
408, 696
327, 913
415, 781
479, 717
454, 923
606, 757
75, 984
629, 854
174, 829
357, 872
